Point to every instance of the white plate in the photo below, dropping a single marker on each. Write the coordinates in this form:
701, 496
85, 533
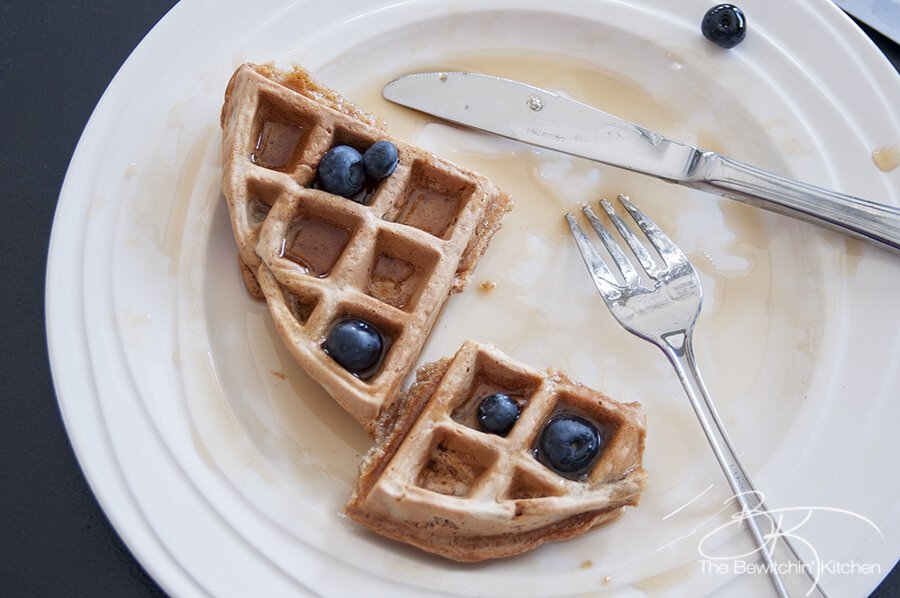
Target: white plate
224, 468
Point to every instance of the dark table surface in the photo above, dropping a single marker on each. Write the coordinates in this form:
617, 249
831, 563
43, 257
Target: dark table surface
56, 59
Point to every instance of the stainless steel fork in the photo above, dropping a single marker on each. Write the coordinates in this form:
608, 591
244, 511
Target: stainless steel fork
662, 307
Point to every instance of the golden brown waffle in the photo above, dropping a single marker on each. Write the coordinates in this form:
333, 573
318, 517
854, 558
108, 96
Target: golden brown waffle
434, 480
245, 114
391, 260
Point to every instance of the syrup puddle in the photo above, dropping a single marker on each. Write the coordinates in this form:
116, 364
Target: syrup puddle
393, 280
315, 245
430, 211
538, 262
276, 144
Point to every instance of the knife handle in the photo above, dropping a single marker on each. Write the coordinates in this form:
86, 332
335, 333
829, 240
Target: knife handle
867, 220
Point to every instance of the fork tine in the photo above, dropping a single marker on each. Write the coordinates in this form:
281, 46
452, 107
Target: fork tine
599, 271
671, 254
629, 273
640, 252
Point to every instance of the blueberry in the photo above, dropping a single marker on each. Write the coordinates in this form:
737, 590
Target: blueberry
355, 344
724, 25
341, 171
381, 159
497, 413
569, 445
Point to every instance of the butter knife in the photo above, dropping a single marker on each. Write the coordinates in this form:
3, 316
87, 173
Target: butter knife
536, 116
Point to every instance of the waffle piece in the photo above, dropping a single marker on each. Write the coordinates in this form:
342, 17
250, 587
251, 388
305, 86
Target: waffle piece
266, 134
392, 259
434, 480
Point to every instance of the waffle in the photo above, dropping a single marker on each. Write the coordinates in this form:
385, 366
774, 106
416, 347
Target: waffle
248, 206
318, 258
435, 481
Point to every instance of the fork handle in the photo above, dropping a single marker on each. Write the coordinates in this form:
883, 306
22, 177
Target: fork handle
773, 546
866, 220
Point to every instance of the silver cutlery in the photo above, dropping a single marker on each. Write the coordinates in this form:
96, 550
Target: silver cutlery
659, 300
536, 116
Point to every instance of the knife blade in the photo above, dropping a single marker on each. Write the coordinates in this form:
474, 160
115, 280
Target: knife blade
545, 119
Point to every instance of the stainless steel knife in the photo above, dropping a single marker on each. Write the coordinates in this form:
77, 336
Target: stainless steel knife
545, 119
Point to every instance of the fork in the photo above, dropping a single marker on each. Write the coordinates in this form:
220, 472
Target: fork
662, 307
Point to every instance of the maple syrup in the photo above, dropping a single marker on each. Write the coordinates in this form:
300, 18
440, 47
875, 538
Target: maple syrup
276, 145
393, 280
537, 256
430, 211
315, 245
